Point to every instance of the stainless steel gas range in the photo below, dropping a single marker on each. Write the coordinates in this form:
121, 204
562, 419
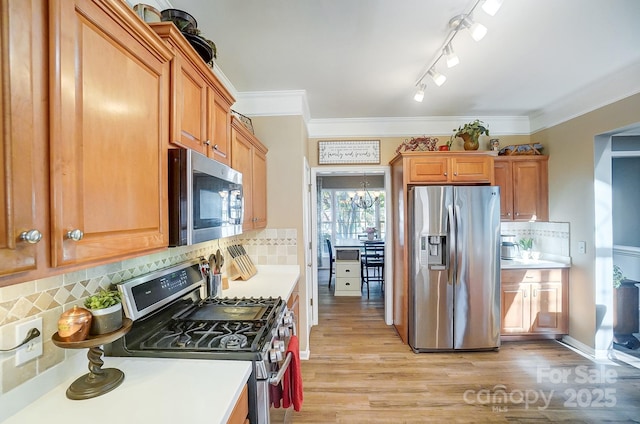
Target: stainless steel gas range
173, 318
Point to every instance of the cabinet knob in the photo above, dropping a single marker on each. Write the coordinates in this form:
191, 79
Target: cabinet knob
75, 235
207, 142
455, 174
31, 236
445, 174
508, 213
517, 213
215, 147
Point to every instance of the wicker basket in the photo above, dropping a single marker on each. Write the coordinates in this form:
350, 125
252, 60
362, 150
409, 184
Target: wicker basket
521, 149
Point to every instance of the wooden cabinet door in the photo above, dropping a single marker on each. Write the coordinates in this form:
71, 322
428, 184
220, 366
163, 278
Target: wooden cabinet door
23, 142
109, 85
504, 179
241, 161
548, 312
259, 189
530, 191
220, 128
474, 169
189, 124
429, 170
515, 308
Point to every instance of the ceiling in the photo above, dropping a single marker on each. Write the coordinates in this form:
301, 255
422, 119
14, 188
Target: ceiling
362, 58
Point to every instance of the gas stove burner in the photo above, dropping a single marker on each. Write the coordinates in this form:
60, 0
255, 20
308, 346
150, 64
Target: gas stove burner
233, 341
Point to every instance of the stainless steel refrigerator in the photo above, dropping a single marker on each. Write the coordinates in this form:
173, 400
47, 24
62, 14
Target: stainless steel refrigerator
454, 268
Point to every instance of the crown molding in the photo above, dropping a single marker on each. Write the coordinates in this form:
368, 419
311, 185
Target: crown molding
607, 90
400, 127
273, 103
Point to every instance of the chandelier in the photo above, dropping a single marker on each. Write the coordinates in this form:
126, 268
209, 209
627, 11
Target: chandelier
364, 198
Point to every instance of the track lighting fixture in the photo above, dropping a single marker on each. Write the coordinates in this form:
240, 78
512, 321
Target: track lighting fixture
452, 57
419, 96
457, 23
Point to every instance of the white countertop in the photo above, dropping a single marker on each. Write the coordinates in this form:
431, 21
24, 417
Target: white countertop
269, 281
152, 387
150, 393
532, 264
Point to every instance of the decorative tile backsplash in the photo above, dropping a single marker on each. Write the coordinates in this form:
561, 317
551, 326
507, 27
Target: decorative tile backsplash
49, 297
550, 238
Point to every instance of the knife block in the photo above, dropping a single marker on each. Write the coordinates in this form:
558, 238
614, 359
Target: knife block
241, 268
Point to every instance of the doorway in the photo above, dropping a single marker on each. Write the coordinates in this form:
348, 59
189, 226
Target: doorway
351, 227
617, 240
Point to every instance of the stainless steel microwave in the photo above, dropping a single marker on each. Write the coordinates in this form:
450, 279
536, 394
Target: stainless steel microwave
205, 199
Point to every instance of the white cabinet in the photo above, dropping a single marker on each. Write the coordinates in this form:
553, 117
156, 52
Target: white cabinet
348, 272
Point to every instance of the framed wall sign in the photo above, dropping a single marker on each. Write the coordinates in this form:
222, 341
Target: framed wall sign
349, 152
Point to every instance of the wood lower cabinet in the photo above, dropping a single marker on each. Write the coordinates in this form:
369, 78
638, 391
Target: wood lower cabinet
249, 156
534, 303
23, 138
524, 190
200, 104
240, 412
109, 85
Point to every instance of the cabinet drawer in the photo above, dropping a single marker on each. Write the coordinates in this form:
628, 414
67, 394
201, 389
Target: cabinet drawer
348, 284
531, 275
348, 270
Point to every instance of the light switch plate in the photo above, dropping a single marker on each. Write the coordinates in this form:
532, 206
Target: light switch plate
582, 247
33, 348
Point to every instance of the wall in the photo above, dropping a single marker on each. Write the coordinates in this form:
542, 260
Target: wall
570, 146
388, 145
285, 138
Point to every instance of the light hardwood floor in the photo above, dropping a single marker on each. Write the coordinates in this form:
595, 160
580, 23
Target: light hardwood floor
360, 372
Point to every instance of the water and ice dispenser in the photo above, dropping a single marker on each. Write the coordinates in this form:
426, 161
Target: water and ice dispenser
433, 251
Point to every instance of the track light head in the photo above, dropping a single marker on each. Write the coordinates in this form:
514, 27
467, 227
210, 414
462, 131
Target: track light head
491, 6
477, 30
419, 96
437, 77
452, 57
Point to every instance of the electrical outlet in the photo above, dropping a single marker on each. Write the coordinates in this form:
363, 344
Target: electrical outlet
33, 348
582, 247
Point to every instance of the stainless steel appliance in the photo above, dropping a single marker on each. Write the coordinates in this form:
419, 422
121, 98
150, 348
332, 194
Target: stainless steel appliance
454, 277
172, 319
509, 249
205, 199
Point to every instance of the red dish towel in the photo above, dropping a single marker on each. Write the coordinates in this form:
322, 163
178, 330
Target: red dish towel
292, 380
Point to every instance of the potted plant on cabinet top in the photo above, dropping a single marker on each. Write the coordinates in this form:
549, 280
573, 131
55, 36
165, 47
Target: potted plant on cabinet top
471, 132
106, 309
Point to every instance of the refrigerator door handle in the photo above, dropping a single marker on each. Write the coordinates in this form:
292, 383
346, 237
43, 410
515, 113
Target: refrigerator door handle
452, 244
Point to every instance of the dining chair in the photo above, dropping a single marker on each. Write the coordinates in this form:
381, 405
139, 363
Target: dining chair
373, 264
331, 260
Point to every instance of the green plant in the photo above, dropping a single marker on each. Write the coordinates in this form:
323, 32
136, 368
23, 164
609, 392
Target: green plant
526, 243
103, 299
618, 277
475, 129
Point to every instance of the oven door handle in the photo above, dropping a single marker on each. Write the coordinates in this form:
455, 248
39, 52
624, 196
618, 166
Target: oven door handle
276, 379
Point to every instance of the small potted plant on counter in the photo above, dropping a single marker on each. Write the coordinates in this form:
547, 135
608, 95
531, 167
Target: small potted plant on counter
106, 310
526, 244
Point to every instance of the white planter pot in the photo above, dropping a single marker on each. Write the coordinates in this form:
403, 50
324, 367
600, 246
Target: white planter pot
106, 320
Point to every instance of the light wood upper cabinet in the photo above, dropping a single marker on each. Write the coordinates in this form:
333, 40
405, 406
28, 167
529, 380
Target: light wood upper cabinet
249, 156
23, 142
449, 168
524, 191
200, 104
109, 94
